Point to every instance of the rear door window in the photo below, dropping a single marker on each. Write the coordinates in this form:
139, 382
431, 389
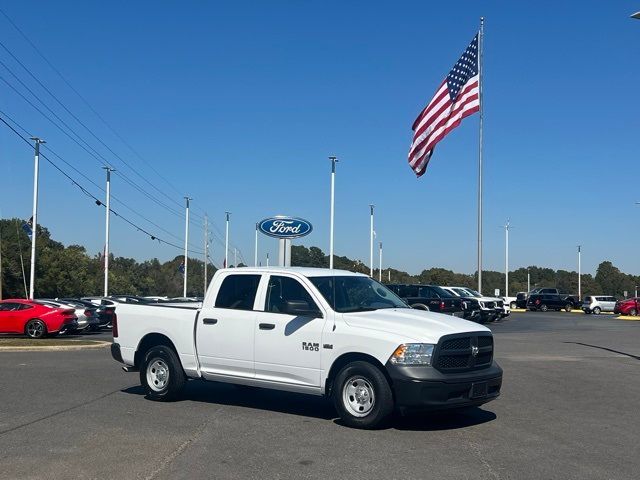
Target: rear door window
238, 292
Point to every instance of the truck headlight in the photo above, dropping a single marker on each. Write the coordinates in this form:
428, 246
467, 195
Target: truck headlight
413, 354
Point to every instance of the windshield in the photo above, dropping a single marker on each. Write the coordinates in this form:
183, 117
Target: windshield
462, 292
356, 294
474, 293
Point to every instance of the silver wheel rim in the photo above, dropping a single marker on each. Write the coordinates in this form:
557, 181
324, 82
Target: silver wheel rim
358, 396
157, 374
35, 329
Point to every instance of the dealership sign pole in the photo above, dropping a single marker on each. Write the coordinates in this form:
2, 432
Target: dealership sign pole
284, 229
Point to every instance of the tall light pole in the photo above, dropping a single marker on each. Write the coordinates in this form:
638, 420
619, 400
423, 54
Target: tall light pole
528, 281
34, 218
267, 259
579, 272
380, 264
206, 252
255, 253
106, 229
235, 257
186, 244
226, 241
331, 208
371, 206
506, 259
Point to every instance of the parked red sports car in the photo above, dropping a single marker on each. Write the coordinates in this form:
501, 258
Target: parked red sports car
34, 319
630, 306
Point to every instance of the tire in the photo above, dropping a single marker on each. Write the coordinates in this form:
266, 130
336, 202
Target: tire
588, 312
543, 308
161, 374
633, 312
597, 311
513, 305
35, 328
568, 307
420, 306
362, 396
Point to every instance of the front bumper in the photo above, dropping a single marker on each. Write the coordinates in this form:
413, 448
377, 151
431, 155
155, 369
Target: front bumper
425, 388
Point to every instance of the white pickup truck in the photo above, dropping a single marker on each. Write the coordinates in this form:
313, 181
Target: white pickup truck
317, 331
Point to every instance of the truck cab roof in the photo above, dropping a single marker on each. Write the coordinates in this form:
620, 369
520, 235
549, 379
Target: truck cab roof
304, 271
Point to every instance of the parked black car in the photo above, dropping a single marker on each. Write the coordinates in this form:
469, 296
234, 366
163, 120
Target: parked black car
431, 298
521, 300
552, 301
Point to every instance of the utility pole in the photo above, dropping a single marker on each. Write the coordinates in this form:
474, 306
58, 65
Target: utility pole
186, 245
331, 209
506, 259
255, 251
226, 241
34, 223
206, 252
106, 239
371, 206
380, 265
579, 272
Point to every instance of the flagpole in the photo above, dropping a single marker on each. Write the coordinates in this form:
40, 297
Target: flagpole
481, 81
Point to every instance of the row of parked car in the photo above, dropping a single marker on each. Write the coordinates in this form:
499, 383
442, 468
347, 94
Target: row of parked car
54, 316
462, 302
544, 299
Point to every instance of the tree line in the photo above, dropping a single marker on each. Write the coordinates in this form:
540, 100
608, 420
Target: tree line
72, 271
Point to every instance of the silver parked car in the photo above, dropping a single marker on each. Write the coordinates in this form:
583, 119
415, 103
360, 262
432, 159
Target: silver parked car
598, 303
87, 319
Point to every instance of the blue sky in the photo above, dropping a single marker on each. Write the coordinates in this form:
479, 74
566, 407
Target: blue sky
238, 104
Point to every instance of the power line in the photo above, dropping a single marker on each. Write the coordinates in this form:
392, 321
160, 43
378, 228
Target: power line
84, 100
96, 199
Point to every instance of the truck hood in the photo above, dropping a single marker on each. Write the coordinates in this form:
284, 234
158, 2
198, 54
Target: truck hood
415, 325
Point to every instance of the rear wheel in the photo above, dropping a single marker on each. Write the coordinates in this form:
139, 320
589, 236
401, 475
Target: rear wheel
161, 374
543, 308
513, 305
35, 328
633, 312
362, 396
568, 307
597, 310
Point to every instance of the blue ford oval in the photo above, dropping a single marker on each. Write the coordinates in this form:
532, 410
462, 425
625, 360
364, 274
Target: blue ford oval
285, 227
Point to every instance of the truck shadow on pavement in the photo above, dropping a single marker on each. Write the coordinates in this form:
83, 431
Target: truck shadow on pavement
315, 407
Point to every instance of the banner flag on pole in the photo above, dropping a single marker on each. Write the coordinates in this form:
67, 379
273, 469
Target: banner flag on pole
457, 97
27, 227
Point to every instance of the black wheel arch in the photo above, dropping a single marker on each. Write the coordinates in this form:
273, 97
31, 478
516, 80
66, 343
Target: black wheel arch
149, 341
347, 358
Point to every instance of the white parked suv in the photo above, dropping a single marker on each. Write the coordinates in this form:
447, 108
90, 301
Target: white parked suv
598, 303
317, 331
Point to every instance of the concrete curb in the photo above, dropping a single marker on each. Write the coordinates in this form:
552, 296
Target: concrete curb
628, 318
55, 348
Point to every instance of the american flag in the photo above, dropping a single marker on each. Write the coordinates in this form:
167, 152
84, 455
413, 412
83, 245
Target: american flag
457, 97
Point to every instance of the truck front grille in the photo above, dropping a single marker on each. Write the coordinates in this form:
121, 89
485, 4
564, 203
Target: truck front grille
455, 353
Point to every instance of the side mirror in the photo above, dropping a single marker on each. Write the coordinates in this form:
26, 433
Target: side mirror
300, 308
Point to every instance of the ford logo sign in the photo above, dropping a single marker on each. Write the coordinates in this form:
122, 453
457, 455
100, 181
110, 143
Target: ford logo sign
285, 227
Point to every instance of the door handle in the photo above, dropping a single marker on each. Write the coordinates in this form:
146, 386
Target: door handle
267, 326
210, 321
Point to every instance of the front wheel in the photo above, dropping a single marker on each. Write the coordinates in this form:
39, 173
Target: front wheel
362, 396
568, 307
597, 310
543, 308
633, 312
161, 374
513, 305
35, 328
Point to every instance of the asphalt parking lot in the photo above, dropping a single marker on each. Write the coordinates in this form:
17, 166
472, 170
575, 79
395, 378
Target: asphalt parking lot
568, 410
